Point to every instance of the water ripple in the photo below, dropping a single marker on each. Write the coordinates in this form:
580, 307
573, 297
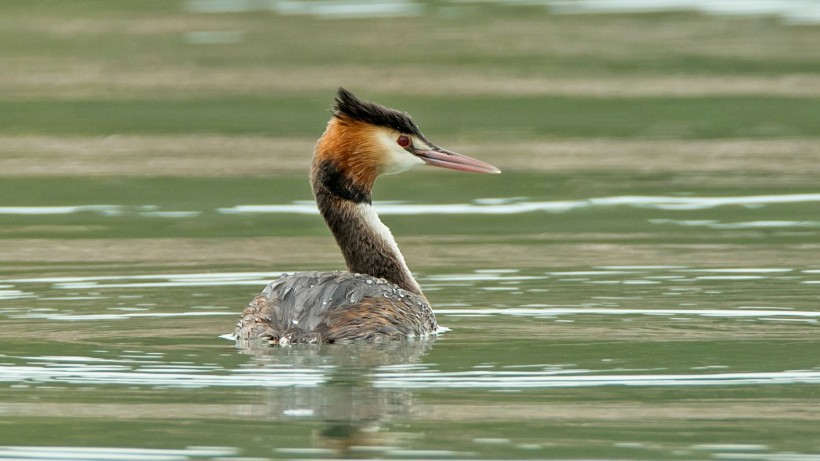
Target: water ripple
168, 377
555, 311
171, 376
208, 277
90, 317
483, 206
481, 379
486, 206
712, 224
55, 453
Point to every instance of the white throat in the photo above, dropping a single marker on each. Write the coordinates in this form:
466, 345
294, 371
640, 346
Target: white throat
383, 233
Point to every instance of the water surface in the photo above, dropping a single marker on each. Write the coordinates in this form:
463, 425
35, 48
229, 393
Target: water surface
590, 323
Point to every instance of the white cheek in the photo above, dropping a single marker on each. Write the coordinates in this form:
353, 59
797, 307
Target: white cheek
398, 159
401, 160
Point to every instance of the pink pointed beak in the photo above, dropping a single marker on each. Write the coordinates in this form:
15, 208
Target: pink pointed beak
446, 159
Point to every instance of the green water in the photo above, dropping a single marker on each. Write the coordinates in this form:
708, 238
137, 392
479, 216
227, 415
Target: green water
640, 283
663, 324
717, 117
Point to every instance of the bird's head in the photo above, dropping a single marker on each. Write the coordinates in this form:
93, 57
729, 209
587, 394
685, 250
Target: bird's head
364, 140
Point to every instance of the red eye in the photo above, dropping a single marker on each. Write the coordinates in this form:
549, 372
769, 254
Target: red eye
404, 141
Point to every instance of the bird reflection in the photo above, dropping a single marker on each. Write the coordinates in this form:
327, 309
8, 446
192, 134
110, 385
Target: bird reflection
353, 410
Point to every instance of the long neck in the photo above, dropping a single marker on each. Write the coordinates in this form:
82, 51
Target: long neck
366, 243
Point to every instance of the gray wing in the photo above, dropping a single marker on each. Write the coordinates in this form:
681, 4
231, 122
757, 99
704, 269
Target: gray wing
327, 306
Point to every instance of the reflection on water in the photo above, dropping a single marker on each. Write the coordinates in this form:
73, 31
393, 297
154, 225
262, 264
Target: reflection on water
514, 206
337, 437
529, 355
301, 372
793, 11
118, 454
645, 294
662, 357
490, 206
482, 379
738, 225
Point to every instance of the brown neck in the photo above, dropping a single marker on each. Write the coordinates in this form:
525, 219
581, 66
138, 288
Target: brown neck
367, 244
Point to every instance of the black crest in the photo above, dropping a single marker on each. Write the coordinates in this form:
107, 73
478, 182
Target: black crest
350, 106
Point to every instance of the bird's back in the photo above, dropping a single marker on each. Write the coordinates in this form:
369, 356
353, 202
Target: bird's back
316, 307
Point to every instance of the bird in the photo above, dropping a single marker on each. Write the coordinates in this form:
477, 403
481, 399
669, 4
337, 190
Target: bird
377, 298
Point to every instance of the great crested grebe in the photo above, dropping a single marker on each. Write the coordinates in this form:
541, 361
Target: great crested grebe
378, 298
